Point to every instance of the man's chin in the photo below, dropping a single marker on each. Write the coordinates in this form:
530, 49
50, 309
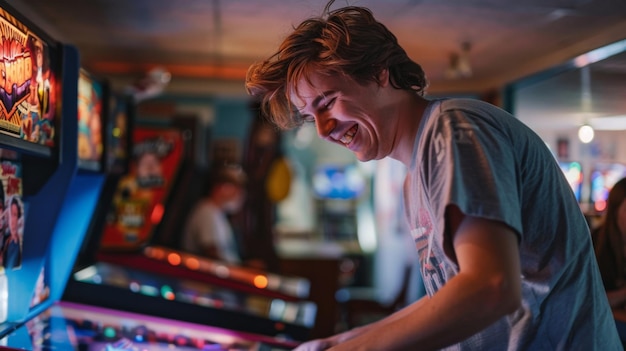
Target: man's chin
363, 158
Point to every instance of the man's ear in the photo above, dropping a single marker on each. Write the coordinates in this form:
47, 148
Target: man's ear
383, 77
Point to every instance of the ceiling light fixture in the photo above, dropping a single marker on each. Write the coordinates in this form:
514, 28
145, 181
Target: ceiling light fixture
460, 66
585, 133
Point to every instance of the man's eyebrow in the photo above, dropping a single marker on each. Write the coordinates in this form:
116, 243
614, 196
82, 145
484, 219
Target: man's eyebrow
319, 98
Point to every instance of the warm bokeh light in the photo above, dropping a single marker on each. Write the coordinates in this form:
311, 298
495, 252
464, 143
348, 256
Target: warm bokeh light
174, 259
192, 263
222, 271
260, 281
156, 253
599, 205
157, 214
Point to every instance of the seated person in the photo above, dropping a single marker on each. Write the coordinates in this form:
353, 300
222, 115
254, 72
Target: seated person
609, 240
207, 231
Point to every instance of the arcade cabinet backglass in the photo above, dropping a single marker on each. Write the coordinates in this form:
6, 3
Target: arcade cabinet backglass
141, 194
92, 110
118, 135
29, 90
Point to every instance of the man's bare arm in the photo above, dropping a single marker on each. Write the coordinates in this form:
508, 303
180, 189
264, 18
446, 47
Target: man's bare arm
487, 288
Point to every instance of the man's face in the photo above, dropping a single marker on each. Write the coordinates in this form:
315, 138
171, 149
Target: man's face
347, 113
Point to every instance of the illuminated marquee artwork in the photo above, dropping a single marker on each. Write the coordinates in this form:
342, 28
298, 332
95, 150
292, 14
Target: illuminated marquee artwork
140, 197
90, 119
27, 85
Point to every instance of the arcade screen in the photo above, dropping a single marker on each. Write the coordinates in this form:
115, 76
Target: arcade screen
90, 122
574, 175
139, 200
29, 88
68, 326
603, 177
338, 182
118, 136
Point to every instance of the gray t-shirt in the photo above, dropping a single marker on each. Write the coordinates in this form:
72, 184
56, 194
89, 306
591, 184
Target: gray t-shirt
485, 161
206, 227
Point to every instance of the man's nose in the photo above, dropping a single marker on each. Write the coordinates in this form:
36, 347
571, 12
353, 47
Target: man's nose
325, 127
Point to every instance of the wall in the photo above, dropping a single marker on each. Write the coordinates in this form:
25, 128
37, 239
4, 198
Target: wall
587, 90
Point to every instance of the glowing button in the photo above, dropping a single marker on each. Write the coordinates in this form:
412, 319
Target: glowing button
109, 332
260, 281
174, 259
192, 263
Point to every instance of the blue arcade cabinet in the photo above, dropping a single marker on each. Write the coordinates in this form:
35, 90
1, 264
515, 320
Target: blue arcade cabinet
56, 162
38, 141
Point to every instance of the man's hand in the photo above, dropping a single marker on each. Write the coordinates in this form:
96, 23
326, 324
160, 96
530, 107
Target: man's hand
316, 345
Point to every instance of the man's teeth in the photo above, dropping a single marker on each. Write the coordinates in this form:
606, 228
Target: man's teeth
347, 138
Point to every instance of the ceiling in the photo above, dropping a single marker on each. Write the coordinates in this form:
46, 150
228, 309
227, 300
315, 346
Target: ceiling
562, 102
206, 41
208, 45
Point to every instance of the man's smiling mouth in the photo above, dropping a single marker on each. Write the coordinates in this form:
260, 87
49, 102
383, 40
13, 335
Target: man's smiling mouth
346, 139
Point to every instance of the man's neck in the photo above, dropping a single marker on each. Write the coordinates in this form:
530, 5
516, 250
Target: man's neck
410, 114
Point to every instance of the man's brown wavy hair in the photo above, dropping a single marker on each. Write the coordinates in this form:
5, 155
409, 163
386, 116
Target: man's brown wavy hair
346, 41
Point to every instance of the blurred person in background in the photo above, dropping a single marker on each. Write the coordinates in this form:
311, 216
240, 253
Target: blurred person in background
207, 230
609, 240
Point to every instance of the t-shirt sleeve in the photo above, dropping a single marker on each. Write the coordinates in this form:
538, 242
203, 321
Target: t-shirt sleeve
200, 227
472, 166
